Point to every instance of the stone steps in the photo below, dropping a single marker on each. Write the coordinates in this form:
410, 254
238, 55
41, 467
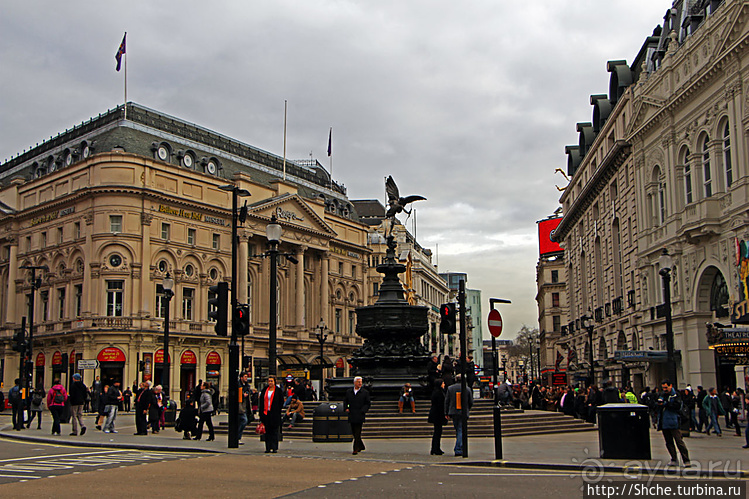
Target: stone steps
384, 421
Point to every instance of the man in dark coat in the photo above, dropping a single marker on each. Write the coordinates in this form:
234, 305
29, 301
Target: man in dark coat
270, 402
356, 403
143, 401
78, 392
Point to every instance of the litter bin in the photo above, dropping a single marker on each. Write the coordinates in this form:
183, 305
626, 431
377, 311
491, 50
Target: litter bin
330, 423
624, 431
170, 413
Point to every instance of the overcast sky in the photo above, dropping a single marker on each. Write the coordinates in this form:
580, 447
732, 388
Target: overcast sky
469, 103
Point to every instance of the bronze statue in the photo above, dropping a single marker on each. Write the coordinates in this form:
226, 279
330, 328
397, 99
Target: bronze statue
397, 204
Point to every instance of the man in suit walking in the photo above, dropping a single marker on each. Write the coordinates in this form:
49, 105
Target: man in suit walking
356, 403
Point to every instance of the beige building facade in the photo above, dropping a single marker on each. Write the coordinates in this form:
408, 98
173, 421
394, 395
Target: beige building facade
663, 165
109, 225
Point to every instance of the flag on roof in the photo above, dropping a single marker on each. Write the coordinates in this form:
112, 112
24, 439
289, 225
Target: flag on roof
120, 52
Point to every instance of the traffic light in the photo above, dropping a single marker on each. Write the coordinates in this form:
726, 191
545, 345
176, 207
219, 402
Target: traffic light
19, 341
241, 322
218, 307
447, 318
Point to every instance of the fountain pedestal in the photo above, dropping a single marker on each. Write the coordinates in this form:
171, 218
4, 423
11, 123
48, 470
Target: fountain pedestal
392, 354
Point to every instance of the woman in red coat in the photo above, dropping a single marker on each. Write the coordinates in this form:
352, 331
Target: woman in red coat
270, 404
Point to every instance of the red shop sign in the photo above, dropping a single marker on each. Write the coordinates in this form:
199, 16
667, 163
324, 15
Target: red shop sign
111, 354
158, 358
57, 358
213, 359
40, 359
188, 357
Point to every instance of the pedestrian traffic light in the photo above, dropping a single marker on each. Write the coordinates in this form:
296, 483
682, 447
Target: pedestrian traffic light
218, 307
19, 341
447, 318
241, 322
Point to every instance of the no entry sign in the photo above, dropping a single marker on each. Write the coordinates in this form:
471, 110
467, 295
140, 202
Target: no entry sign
495, 323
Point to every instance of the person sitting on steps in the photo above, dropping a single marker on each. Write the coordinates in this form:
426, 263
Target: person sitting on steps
406, 397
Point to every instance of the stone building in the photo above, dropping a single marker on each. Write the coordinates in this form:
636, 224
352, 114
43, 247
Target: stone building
114, 205
663, 165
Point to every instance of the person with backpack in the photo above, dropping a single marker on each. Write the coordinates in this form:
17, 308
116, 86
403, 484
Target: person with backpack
670, 408
56, 398
35, 408
15, 398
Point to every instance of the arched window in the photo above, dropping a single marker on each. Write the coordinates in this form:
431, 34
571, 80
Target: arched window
707, 174
689, 196
719, 296
728, 167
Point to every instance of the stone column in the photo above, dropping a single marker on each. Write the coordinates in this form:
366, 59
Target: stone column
300, 316
11, 303
324, 291
242, 257
144, 291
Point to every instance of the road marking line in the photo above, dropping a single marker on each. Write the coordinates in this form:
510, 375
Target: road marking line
61, 455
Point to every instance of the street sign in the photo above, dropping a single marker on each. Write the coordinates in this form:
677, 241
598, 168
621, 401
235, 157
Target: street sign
88, 364
495, 323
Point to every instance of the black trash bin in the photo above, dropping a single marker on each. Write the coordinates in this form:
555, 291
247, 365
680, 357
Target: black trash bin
330, 423
170, 412
624, 431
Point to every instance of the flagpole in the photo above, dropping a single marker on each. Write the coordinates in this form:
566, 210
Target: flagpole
125, 56
285, 107
330, 155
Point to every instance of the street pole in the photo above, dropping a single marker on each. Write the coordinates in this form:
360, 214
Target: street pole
272, 322
665, 271
321, 337
233, 347
463, 346
35, 284
496, 409
167, 284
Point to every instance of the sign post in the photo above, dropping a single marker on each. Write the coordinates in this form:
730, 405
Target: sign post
495, 328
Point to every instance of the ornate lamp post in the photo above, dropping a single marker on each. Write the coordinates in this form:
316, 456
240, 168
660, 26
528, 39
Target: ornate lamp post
36, 283
587, 323
321, 333
273, 233
168, 284
666, 264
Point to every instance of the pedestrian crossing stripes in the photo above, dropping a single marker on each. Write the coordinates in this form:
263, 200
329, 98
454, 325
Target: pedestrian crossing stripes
32, 468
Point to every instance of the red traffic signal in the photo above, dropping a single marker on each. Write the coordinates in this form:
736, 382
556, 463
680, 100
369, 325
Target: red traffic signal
241, 319
447, 318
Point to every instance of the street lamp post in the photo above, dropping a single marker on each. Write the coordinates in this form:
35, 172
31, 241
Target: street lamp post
168, 284
538, 357
36, 283
587, 323
273, 233
504, 366
666, 264
322, 335
233, 438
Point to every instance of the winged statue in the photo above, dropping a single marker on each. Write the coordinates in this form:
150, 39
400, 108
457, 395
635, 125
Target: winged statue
396, 203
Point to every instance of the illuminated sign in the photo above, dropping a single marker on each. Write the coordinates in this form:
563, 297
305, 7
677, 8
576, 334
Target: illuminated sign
188, 357
111, 354
213, 359
545, 230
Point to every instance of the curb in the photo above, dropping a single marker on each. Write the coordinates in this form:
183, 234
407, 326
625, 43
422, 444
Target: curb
593, 468
113, 445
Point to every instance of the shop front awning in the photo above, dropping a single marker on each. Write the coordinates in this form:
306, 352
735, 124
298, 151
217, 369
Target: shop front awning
643, 355
292, 360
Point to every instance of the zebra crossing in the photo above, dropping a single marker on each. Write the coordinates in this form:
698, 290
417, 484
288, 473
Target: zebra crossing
33, 468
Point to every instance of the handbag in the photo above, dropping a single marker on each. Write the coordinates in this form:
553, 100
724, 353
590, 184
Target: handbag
260, 429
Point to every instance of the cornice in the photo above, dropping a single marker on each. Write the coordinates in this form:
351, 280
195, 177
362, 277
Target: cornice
618, 154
